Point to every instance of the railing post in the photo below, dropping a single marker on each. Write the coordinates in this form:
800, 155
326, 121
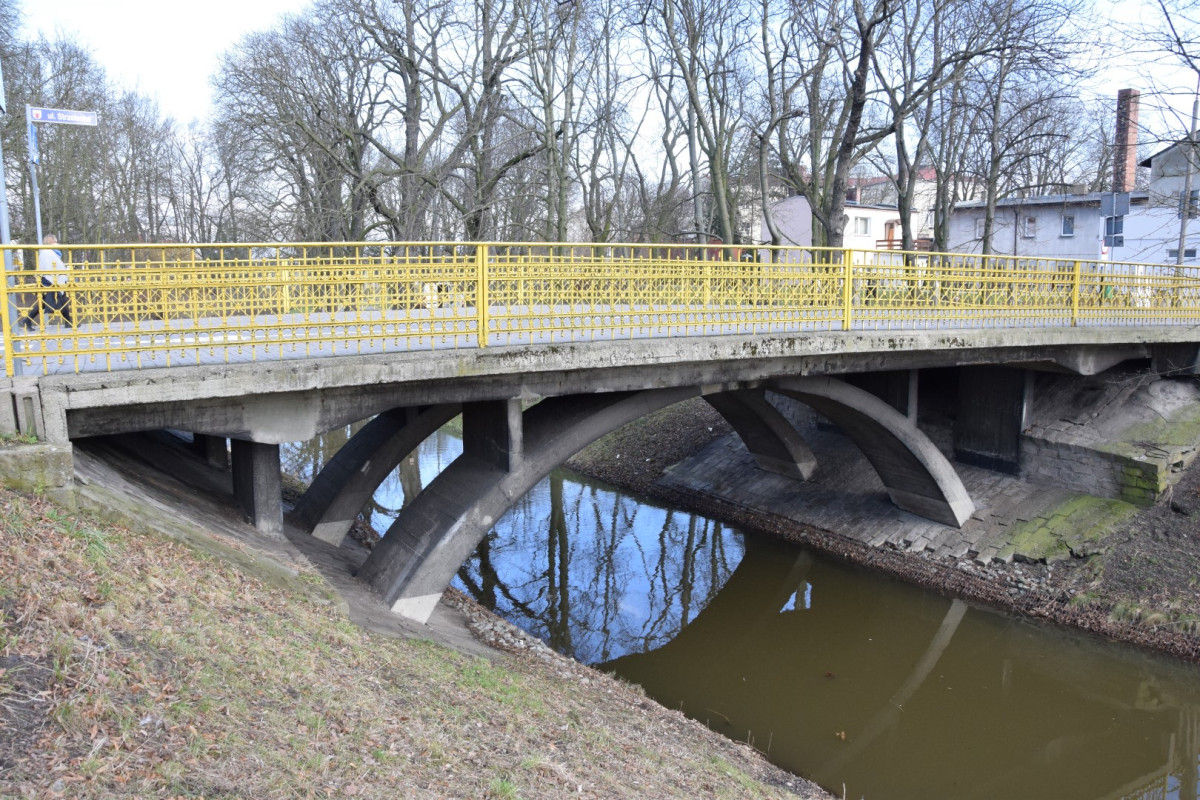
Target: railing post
481, 293
847, 289
1075, 295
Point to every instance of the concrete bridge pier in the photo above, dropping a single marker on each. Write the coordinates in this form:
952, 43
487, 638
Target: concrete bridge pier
258, 484
776, 446
213, 449
918, 478
897, 388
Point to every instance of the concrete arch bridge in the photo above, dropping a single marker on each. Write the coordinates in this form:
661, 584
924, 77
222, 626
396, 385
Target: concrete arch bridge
543, 349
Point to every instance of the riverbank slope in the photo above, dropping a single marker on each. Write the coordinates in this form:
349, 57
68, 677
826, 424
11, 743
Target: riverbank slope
132, 665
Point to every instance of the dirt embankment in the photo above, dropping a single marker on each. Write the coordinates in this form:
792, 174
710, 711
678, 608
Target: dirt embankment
132, 666
1141, 585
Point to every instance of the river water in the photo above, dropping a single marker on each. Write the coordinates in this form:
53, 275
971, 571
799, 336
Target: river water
872, 688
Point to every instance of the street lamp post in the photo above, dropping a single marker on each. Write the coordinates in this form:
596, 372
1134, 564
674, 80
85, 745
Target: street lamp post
1189, 158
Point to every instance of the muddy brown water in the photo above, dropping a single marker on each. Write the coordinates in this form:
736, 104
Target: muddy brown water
873, 688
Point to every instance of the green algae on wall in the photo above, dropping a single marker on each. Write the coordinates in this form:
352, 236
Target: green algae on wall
1150, 453
1076, 528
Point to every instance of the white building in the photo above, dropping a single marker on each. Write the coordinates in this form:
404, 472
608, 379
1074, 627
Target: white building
865, 224
1052, 226
881, 190
1070, 226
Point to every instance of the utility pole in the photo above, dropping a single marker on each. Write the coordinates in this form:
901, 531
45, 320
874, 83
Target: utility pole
1189, 156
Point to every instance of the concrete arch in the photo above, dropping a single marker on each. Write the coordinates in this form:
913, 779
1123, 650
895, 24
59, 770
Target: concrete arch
414, 561
417, 557
771, 439
917, 476
342, 489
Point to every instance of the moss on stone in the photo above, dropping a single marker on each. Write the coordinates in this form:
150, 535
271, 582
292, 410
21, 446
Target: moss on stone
1077, 527
1179, 431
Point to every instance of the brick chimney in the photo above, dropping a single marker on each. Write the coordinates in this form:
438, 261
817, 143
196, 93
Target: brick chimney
1125, 158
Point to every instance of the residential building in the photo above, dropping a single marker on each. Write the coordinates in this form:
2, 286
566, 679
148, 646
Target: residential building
865, 224
1071, 226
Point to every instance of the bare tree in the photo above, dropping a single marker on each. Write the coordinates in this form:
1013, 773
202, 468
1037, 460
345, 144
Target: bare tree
305, 96
701, 47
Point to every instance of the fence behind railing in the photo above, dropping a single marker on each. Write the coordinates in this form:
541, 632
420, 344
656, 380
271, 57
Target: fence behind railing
161, 305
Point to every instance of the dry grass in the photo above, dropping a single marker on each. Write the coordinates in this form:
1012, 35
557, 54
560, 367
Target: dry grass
135, 667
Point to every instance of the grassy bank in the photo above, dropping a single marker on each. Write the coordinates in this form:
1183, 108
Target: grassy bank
134, 667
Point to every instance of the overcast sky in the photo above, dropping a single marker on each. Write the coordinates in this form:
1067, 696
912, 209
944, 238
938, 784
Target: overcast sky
169, 50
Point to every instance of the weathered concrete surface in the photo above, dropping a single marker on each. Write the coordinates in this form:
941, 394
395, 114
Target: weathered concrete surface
258, 483
8, 409
771, 439
1124, 436
1068, 497
992, 408
296, 400
40, 469
918, 478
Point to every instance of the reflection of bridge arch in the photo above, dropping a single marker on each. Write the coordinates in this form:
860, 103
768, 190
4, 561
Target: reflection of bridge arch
506, 452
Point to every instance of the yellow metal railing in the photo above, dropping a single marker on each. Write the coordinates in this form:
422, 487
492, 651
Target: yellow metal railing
162, 305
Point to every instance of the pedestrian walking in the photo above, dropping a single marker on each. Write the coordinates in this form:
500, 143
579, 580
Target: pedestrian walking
54, 275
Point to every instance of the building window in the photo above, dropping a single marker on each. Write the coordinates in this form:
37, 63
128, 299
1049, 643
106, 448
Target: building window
862, 226
1068, 224
979, 228
1114, 228
1173, 253
1030, 229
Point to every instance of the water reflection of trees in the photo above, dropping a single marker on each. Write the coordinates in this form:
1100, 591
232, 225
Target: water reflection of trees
1179, 778
592, 571
596, 573
600, 575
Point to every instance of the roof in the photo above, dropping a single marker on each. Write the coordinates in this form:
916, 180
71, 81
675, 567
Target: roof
1091, 198
1145, 162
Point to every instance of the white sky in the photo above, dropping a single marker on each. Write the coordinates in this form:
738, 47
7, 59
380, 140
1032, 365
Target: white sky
166, 50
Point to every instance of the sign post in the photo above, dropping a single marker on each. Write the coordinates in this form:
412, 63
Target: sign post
6, 238
57, 116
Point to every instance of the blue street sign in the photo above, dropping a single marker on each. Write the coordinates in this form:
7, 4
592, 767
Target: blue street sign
62, 116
